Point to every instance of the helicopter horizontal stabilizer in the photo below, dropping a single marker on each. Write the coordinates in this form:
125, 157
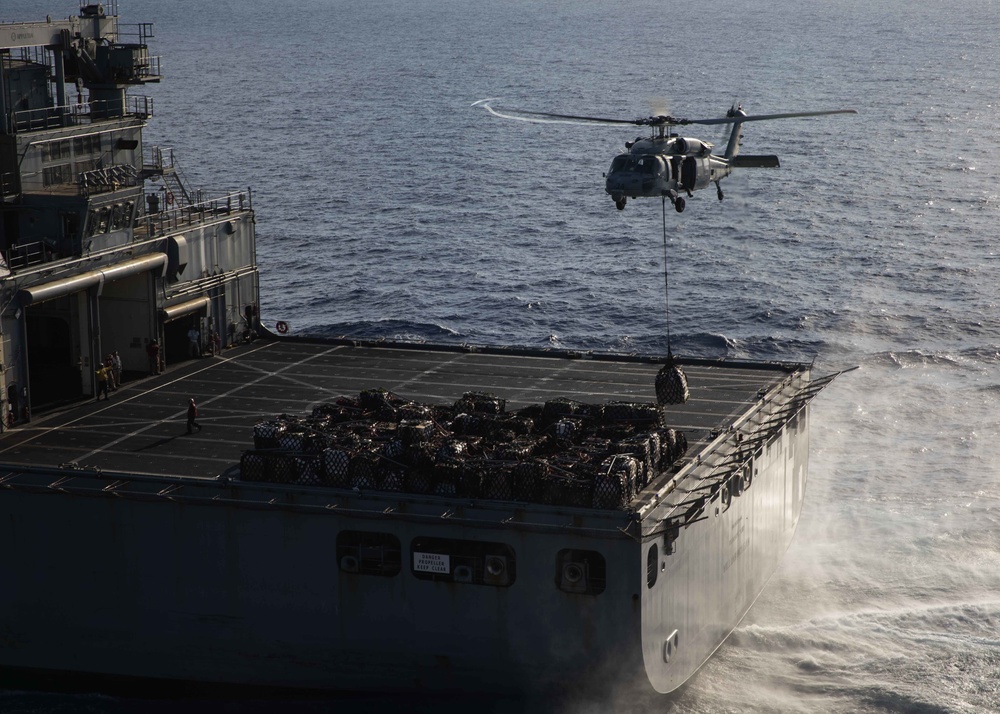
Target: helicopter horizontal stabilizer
755, 161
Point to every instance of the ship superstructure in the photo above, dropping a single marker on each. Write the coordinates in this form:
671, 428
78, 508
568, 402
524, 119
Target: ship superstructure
104, 246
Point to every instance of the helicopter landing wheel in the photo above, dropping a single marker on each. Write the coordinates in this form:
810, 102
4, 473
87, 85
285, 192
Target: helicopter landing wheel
718, 190
679, 204
620, 204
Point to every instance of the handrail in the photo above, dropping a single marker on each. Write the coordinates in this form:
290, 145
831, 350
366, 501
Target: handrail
110, 6
157, 158
85, 183
54, 117
24, 255
172, 219
107, 179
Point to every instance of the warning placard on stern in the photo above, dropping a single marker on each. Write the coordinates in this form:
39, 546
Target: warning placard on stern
431, 563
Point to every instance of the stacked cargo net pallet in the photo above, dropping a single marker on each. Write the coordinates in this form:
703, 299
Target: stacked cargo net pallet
563, 452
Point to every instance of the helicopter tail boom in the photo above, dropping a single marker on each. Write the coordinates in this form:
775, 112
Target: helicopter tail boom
755, 161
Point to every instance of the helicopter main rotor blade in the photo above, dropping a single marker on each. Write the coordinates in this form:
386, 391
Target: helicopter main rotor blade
661, 120
764, 117
550, 118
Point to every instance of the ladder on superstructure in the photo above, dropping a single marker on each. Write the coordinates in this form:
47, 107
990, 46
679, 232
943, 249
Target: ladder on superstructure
161, 163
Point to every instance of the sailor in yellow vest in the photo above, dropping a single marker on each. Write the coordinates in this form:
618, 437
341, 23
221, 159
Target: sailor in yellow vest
103, 377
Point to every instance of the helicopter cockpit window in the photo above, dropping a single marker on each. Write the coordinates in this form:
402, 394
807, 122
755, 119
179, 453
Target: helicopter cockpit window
646, 165
620, 162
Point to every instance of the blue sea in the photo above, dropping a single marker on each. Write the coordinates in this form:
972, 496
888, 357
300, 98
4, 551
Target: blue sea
388, 206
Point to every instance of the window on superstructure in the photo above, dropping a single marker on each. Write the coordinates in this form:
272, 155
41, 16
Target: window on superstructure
652, 565
55, 175
55, 150
84, 145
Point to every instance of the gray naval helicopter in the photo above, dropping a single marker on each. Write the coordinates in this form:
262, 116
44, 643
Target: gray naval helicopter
666, 165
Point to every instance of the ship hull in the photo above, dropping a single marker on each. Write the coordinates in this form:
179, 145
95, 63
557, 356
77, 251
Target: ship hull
722, 561
236, 594
239, 583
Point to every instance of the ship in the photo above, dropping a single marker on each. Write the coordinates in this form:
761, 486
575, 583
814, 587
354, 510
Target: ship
289, 541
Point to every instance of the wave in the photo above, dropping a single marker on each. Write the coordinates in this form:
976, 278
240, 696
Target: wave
700, 345
399, 330
972, 358
911, 658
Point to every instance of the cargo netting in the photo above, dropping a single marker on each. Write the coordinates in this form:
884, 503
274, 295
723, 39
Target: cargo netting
562, 452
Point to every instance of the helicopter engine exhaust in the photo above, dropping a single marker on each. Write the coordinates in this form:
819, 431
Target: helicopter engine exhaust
684, 145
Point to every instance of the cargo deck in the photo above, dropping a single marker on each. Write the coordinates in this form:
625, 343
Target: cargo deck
142, 428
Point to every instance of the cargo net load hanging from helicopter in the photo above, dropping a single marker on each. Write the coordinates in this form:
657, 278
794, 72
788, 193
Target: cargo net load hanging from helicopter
666, 165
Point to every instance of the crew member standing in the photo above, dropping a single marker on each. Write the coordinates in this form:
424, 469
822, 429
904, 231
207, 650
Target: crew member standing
153, 351
194, 342
103, 375
192, 415
116, 370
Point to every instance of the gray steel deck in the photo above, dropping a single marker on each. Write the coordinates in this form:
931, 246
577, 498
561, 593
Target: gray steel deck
142, 429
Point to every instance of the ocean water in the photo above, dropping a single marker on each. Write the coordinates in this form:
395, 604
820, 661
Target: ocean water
387, 206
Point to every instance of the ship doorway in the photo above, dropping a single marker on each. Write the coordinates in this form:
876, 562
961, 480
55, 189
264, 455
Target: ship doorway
53, 362
127, 322
175, 338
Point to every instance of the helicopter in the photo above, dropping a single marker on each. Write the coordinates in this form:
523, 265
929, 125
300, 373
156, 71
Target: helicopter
665, 164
